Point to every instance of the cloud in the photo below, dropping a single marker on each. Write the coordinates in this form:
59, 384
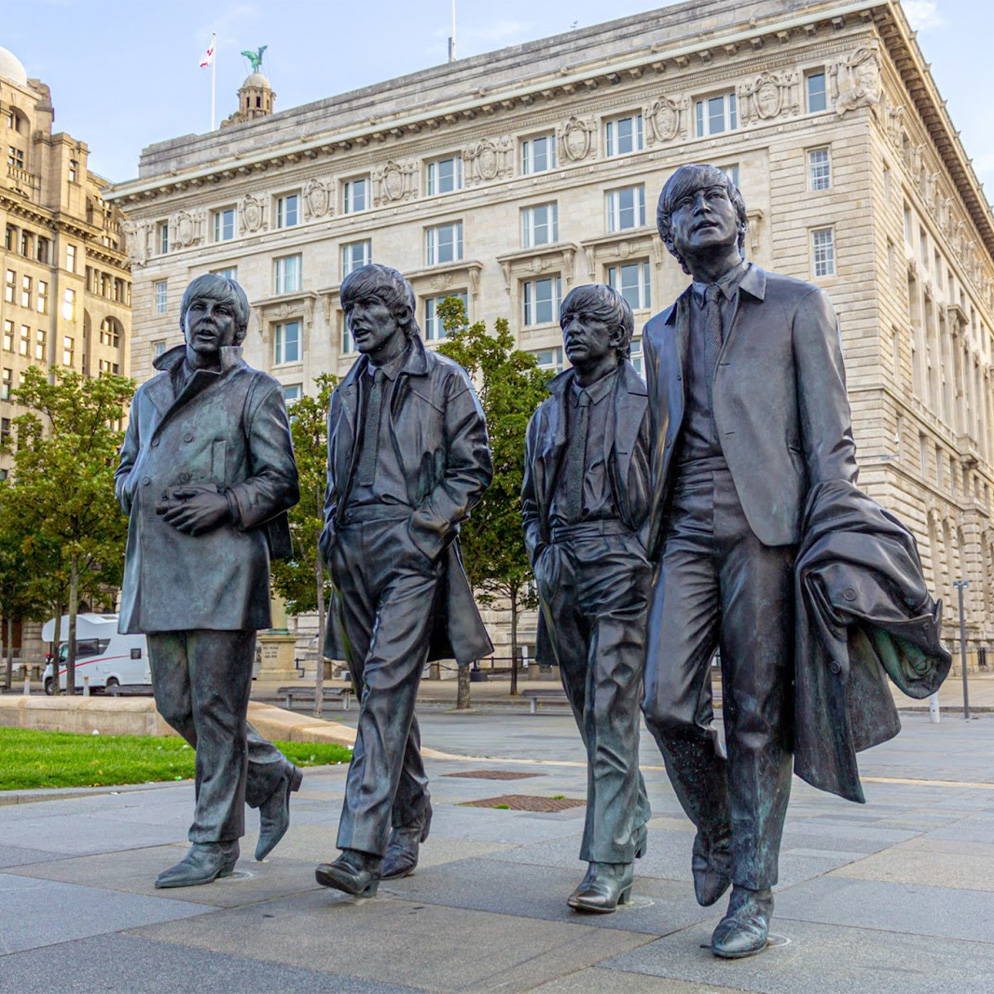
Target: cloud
923, 14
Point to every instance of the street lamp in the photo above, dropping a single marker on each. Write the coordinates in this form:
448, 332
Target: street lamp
960, 586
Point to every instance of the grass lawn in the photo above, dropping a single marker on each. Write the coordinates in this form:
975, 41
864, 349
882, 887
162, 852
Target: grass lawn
31, 759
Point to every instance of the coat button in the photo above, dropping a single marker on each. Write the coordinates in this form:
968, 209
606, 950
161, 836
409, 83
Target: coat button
184, 478
155, 443
668, 444
188, 437
146, 481
836, 668
849, 593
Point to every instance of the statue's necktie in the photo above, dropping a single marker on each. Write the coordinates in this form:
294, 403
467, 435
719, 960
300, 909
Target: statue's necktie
576, 458
371, 431
712, 321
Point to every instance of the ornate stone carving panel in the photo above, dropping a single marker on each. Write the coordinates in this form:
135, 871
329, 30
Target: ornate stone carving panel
666, 119
487, 160
251, 214
858, 80
318, 199
394, 182
136, 239
187, 228
768, 96
576, 139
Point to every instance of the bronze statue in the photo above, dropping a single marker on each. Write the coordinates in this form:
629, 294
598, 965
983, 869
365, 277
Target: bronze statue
585, 502
754, 467
206, 476
407, 460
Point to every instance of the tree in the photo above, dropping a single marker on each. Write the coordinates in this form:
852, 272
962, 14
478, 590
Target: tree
63, 489
511, 387
302, 581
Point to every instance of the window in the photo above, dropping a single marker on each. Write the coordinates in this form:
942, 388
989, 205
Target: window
8, 336
348, 345
24, 346
549, 359
6, 383
9, 285
623, 135
159, 296
39, 344
539, 225
538, 154
228, 272
287, 337
223, 224
158, 348
25, 291
286, 274
288, 210
434, 329
162, 237
355, 195
823, 251
355, 255
73, 171
68, 350
819, 169
907, 225
10, 238
109, 333
106, 366
541, 300
625, 208
445, 175
291, 392
814, 85
713, 115
732, 172
443, 243
4, 431
71, 258
69, 305
632, 282
43, 249
26, 243
15, 157
636, 356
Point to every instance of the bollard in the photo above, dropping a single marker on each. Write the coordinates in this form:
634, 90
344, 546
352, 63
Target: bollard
933, 708
86, 686
27, 680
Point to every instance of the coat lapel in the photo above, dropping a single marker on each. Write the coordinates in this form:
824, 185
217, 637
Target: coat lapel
627, 418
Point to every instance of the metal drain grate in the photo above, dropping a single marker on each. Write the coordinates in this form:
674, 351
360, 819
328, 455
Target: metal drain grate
494, 775
526, 802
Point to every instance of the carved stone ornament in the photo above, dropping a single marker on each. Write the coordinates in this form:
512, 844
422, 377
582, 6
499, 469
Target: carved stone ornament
768, 96
394, 182
859, 81
488, 160
317, 198
136, 241
664, 119
576, 139
186, 229
251, 213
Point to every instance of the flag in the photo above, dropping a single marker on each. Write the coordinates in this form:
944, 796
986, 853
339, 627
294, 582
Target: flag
208, 57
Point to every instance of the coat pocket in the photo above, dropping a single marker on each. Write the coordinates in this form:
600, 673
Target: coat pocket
219, 452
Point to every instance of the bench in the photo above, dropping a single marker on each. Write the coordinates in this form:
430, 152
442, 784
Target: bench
536, 697
343, 694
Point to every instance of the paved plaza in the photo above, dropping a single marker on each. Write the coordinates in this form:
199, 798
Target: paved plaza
893, 896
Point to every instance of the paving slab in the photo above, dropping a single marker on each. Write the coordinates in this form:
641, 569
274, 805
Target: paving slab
125, 964
21, 855
599, 981
820, 959
926, 861
38, 912
404, 942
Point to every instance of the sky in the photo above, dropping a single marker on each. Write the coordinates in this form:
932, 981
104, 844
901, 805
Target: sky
125, 74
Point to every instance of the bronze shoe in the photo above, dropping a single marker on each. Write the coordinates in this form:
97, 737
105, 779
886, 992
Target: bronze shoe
745, 928
605, 886
203, 864
274, 812
354, 872
711, 865
402, 850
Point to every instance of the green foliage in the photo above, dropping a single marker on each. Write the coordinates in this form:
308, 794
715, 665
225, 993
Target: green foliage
295, 580
510, 386
34, 759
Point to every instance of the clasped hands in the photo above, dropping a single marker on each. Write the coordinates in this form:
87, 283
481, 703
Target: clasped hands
193, 510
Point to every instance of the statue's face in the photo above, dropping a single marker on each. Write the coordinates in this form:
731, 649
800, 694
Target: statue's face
587, 341
209, 324
704, 219
372, 325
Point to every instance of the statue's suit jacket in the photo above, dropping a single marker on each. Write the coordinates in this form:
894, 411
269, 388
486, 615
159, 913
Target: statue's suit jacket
440, 437
227, 430
780, 403
626, 446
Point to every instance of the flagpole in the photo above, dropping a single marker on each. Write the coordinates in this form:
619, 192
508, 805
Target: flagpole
214, 87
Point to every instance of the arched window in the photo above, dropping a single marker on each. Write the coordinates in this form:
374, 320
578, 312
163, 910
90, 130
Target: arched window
110, 332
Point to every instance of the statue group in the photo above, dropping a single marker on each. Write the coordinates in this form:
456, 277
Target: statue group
710, 508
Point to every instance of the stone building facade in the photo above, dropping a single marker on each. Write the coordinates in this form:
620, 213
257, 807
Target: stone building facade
509, 177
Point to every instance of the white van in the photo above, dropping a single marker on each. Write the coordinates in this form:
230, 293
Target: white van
112, 662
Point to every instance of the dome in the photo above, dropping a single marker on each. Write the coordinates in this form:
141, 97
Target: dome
12, 69
257, 79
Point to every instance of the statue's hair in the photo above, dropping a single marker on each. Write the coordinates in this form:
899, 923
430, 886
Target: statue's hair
602, 303
686, 180
217, 287
386, 285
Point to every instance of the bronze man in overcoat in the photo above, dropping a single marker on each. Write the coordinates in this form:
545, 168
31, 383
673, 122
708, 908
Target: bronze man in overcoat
408, 458
205, 476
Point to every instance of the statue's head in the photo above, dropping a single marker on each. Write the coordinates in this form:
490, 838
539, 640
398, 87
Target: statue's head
378, 304
595, 320
214, 312
700, 210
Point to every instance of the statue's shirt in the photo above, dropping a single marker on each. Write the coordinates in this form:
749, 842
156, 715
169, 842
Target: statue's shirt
699, 436
586, 496
385, 483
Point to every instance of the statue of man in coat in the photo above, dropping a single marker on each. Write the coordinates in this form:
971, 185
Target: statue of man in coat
206, 476
749, 414
408, 457
585, 500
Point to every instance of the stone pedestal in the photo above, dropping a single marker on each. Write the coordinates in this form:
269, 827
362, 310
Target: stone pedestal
276, 662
